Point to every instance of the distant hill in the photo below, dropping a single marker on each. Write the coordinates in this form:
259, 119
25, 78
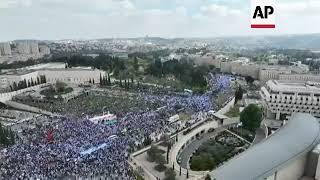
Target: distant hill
307, 41
298, 41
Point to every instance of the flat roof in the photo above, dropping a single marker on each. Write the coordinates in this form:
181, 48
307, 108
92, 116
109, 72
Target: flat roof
293, 86
299, 136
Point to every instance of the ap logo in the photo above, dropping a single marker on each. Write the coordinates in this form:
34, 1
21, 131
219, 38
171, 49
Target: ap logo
263, 14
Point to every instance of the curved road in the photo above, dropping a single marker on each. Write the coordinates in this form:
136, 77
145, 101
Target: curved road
194, 145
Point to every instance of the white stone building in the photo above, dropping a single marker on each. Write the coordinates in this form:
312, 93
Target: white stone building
5, 49
28, 47
272, 72
73, 76
44, 50
300, 77
9, 78
53, 72
23, 47
34, 48
282, 98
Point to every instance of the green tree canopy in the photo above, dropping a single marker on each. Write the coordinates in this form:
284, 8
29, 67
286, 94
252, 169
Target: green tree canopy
60, 86
208, 177
7, 136
251, 117
170, 174
238, 95
202, 162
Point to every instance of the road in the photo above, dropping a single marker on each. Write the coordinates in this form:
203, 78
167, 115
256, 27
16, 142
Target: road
187, 152
260, 135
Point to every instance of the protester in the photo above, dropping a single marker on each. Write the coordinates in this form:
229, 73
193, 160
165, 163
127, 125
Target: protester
76, 147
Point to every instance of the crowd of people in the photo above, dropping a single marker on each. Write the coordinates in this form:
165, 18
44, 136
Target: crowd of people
56, 150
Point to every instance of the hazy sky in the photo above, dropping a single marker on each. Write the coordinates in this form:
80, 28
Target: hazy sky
84, 19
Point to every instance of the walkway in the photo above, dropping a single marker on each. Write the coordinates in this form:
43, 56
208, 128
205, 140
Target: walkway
260, 135
28, 108
239, 136
188, 151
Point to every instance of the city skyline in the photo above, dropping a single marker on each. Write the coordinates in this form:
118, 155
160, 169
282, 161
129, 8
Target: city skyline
57, 19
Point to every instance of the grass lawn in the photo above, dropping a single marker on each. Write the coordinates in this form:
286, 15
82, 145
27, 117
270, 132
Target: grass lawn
165, 82
184, 116
244, 133
51, 92
210, 155
234, 112
216, 151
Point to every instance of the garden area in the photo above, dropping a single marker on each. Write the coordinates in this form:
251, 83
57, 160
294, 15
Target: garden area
244, 133
216, 151
59, 89
234, 111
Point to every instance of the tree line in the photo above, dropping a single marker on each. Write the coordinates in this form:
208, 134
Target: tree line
25, 84
185, 71
7, 136
103, 62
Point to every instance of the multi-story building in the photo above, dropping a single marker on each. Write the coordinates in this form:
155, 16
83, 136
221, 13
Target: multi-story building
298, 67
5, 49
23, 47
246, 70
272, 72
44, 50
34, 48
282, 98
9, 79
300, 77
73, 76
28, 47
53, 72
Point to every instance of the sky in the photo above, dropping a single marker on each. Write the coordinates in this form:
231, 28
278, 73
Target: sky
90, 19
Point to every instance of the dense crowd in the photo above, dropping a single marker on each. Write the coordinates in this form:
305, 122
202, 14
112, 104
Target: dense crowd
107, 147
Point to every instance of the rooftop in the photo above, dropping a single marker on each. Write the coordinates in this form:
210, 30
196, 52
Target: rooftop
294, 86
278, 150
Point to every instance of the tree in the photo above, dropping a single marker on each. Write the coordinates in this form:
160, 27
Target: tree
202, 163
109, 80
160, 163
15, 87
170, 174
135, 64
187, 173
251, 117
60, 86
208, 177
32, 83
7, 136
44, 79
249, 79
147, 141
101, 81
238, 95
168, 150
153, 153
25, 85
38, 80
